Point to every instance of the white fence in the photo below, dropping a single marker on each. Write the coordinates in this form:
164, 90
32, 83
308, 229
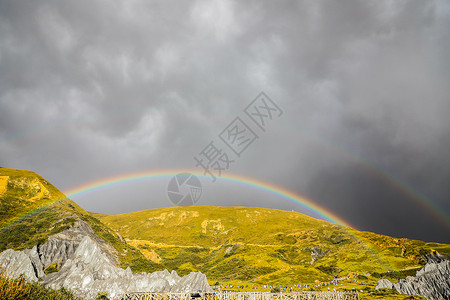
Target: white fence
243, 296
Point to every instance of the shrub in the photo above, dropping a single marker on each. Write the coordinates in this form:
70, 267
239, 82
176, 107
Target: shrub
385, 292
389, 274
141, 264
19, 289
102, 296
275, 289
51, 269
330, 270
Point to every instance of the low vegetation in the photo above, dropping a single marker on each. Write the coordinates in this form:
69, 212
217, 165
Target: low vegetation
265, 246
52, 268
241, 246
102, 296
20, 289
32, 209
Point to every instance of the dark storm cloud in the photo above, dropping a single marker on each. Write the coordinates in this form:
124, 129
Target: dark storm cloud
90, 89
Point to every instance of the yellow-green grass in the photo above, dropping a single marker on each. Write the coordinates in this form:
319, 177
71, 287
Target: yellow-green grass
20, 289
264, 246
239, 245
31, 209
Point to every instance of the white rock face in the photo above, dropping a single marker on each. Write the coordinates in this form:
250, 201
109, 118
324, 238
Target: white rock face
431, 282
384, 284
88, 267
14, 263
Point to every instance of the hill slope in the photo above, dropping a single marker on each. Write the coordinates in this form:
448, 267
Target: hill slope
264, 245
32, 209
229, 244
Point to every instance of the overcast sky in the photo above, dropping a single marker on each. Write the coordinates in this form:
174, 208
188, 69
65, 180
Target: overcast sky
91, 89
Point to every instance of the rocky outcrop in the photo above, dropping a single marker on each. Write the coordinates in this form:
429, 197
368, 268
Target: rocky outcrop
88, 266
384, 284
14, 263
431, 282
231, 249
435, 258
89, 271
317, 253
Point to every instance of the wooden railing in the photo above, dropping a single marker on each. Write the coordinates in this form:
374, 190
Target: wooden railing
243, 296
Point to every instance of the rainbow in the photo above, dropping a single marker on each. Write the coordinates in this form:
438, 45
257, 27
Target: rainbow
428, 205
231, 178
253, 183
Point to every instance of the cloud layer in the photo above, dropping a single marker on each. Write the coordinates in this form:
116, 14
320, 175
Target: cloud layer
90, 89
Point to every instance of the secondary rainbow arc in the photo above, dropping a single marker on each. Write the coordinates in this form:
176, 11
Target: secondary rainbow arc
420, 198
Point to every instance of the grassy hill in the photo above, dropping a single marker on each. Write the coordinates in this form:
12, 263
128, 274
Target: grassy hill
242, 246
258, 245
31, 209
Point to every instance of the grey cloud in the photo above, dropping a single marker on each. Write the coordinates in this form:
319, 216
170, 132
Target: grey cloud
90, 89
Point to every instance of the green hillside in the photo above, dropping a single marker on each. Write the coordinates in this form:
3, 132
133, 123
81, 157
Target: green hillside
31, 209
258, 245
239, 245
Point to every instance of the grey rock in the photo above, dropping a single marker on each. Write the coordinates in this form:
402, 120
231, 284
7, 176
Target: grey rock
192, 282
89, 265
90, 271
384, 284
317, 253
231, 249
61, 246
14, 263
435, 257
431, 282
